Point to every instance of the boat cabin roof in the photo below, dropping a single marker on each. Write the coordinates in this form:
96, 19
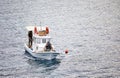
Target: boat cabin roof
41, 37
31, 28
39, 31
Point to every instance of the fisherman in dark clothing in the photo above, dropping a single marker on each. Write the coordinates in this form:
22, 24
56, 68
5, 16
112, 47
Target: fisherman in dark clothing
48, 46
30, 34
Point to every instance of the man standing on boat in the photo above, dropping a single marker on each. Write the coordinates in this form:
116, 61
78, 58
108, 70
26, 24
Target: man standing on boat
30, 34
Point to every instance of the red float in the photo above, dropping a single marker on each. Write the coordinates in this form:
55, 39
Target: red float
47, 30
66, 51
35, 30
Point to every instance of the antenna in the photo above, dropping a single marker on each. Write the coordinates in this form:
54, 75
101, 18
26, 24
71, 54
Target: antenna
40, 23
40, 26
35, 24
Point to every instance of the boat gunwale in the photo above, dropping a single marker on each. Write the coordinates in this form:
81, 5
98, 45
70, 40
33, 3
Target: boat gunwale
41, 52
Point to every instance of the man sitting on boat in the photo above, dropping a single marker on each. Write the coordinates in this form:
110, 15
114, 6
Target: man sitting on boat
48, 47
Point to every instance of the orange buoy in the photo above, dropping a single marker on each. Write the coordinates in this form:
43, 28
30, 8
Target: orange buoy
35, 30
47, 30
66, 51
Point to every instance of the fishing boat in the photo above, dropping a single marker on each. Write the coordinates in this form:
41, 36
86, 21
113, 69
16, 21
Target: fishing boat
38, 43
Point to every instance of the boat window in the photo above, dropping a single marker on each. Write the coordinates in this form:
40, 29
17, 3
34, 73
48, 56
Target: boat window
34, 39
43, 40
48, 39
38, 41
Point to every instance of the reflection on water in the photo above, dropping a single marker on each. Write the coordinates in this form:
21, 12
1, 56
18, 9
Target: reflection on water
48, 65
41, 62
42, 65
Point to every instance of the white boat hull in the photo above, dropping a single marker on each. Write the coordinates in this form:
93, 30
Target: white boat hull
42, 55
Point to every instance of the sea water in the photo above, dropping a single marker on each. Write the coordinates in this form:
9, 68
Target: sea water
89, 29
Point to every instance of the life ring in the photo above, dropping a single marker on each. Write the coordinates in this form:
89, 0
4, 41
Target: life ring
47, 30
35, 30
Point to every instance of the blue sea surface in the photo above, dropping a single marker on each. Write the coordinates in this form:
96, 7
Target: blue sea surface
89, 29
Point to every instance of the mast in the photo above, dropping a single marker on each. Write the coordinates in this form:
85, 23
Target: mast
40, 26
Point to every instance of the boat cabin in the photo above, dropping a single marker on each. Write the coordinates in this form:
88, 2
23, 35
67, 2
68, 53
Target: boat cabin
38, 36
